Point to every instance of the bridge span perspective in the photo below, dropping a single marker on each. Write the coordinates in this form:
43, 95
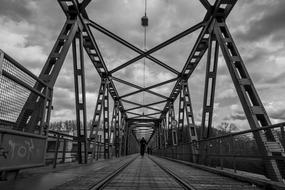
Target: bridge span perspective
141, 94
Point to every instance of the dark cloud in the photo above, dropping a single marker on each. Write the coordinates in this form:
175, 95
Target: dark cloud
16, 10
276, 79
271, 23
280, 114
238, 116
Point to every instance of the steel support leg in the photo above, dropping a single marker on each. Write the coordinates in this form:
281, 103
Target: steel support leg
30, 118
209, 93
80, 97
172, 132
106, 132
116, 128
267, 141
190, 131
181, 118
94, 137
210, 85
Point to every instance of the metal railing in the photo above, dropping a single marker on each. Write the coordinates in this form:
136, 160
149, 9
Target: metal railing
16, 85
236, 151
62, 148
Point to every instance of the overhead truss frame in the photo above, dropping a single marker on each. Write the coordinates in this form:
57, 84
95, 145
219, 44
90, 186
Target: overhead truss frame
213, 28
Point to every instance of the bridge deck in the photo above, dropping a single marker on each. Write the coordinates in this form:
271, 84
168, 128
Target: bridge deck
141, 173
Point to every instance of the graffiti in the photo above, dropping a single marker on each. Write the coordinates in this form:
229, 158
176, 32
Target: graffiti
3, 152
21, 150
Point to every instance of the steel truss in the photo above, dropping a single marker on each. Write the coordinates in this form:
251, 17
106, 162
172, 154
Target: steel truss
214, 34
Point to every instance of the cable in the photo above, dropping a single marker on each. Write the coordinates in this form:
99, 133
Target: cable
145, 37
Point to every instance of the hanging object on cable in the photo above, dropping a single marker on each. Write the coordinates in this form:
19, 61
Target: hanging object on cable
144, 21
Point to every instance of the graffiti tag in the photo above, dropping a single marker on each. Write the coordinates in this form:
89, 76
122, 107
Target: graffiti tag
21, 150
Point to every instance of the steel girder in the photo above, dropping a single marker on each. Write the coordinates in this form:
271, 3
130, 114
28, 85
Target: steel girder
115, 129
80, 97
201, 45
186, 134
164, 132
122, 134
210, 85
267, 141
172, 131
98, 110
106, 129
34, 111
30, 116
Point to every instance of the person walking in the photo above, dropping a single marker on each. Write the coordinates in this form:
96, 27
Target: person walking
143, 145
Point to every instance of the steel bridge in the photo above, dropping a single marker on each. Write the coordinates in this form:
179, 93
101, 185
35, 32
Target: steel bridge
184, 156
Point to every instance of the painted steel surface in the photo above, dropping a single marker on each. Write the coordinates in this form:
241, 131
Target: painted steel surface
21, 150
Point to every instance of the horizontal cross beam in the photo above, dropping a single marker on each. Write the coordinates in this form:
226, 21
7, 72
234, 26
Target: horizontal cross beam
147, 89
129, 45
158, 47
136, 86
139, 105
148, 106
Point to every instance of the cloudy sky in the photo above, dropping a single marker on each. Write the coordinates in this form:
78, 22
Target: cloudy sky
29, 29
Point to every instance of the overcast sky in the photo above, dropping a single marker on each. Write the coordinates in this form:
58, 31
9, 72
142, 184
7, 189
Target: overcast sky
29, 29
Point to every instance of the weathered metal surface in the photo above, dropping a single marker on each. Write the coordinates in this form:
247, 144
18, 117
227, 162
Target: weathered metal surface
21, 150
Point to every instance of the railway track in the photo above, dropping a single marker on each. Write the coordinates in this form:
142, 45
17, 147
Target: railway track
184, 184
108, 179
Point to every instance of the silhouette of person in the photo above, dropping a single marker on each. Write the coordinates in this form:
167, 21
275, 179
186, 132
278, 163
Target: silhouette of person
143, 145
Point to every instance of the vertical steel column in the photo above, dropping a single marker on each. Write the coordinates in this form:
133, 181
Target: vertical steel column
94, 137
172, 135
127, 140
116, 136
98, 110
164, 132
161, 134
122, 134
210, 86
181, 118
209, 94
267, 141
80, 97
112, 130
158, 134
106, 122
31, 114
190, 131
46, 112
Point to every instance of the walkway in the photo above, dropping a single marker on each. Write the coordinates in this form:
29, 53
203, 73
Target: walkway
132, 172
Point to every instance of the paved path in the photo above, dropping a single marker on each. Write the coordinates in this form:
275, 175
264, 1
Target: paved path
201, 179
142, 173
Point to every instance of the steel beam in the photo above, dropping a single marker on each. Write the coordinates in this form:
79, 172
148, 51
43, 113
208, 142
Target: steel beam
200, 46
210, 86
206, 4
267, 141
106, 129
131, 46
142, 106
115, 129
31, 113
98, 110
158, 47
138, 87
80, 97
147, 89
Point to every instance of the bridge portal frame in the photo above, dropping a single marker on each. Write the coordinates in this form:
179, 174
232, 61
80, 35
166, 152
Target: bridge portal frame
214, 29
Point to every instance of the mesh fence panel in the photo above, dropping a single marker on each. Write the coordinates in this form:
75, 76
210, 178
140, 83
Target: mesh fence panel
13, 95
